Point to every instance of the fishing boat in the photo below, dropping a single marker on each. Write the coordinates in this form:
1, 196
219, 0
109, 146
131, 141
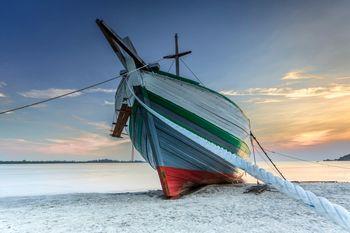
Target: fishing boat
182, 164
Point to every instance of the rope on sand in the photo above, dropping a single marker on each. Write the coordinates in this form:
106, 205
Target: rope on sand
321, 205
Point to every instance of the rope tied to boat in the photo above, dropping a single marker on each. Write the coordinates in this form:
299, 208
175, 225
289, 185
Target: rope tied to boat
321, 205
74, 91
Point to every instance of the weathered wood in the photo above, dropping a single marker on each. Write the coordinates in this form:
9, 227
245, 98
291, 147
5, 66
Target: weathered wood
123, 116
177, 55
115, 41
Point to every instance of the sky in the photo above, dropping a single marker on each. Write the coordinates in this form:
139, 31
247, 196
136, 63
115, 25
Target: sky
285, 63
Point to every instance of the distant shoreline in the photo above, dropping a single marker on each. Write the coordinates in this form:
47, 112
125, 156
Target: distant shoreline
70, 161
343, 158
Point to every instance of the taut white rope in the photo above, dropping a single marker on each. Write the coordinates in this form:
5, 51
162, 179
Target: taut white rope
321, 205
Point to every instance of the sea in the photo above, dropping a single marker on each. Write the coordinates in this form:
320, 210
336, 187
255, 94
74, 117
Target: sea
50, 179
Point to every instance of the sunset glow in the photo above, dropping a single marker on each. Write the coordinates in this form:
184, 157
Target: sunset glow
288, 72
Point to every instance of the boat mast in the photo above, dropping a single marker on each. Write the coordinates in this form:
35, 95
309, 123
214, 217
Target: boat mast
177, 58
177, 55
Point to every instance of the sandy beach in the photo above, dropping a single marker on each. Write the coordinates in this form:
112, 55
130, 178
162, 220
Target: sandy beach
163, 116
210, 209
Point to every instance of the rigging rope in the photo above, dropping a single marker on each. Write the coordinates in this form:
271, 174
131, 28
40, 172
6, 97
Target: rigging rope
321, 205
171, 65
72, 92
191, 71
264, 159
264, 149
57, 97
274, 165
306, 161
274, 152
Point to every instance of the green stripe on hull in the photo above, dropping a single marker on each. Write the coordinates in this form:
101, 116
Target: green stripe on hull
238, 143
186, 80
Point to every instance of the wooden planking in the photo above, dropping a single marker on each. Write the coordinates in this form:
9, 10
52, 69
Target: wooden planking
205, 104
123, 116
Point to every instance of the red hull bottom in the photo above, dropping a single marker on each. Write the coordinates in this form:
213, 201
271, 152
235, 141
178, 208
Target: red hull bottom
176, 181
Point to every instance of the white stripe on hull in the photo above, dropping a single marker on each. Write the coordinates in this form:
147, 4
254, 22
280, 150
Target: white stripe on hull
204, 103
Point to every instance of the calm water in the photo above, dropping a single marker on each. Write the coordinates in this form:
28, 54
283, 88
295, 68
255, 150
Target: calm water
39, 179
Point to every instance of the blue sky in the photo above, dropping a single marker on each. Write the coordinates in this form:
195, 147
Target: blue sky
285, 63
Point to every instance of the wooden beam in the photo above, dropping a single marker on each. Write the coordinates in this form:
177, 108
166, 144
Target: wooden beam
177, 55
114, 40
123, 117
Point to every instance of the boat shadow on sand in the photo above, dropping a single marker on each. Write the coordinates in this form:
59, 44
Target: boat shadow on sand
209, 190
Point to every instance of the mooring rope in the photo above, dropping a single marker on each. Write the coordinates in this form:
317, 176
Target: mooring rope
321, 205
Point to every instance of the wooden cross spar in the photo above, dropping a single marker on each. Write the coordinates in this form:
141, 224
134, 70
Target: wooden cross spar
177, 55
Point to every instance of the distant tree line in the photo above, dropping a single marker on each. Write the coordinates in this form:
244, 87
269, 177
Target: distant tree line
343, 158
69, 161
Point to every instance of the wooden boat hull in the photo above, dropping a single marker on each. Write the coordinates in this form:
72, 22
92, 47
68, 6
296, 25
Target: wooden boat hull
177, 181
182, 164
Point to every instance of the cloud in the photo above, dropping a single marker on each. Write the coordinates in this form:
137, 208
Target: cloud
53, 92
302, 122
97, 124
267, 101
19, 145
301, 115
328, 92
297, 75
101, 90
48, 93
106, 102
312, 137
262, 100
338, 90
39, 106
2, 84
343, 78
84, 144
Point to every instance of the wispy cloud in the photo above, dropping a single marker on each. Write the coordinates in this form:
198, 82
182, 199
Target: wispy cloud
101, 90
300, 114
102, 125
312, 137
2, 84
343, 78
328, 92
52, 92
48, 93
106, 102
267, 101
298, 74
85, 144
